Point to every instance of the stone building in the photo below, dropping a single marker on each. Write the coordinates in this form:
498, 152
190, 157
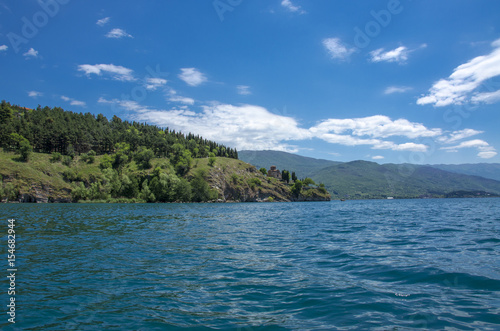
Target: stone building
273, 172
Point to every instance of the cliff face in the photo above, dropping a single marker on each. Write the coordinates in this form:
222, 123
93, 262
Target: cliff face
237, 181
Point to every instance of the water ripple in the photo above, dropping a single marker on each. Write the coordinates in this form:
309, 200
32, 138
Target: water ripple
304, 266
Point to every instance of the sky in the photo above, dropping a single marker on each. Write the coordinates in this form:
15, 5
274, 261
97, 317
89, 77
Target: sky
385, 81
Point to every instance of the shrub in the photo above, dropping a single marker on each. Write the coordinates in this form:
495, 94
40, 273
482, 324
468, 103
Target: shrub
56, 157
67, 160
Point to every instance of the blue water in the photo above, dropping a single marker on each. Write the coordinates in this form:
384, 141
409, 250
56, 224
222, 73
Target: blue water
396, 264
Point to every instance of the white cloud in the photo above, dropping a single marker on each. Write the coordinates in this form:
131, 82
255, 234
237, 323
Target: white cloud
397, 89
254, 127
117, 34
458, 135
117, 72
153, 83
461, 86
31, 53
337, 49
399, 55
34, 94
243, 89
174, 97
291, 7
377, 157
486, 97
243, 127
3, 48
74, 102
377, 126
192, 76
485, 150
103, 21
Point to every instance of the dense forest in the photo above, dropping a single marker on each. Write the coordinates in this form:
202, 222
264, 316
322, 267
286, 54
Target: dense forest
55, 130
125, 152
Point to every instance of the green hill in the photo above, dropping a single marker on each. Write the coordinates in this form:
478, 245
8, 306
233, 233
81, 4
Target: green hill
369, 180
303, 166
486, 170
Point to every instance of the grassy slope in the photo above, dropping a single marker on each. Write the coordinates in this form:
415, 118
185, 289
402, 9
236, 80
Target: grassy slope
229, 175
362, 179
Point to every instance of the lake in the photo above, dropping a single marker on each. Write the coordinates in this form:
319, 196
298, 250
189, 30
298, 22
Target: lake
381, 264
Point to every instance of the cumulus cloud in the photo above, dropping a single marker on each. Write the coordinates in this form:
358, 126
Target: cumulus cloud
337, 49
31, 53
485, 151
291, 7
3, 48
116, 72
73, 102
377, 157
192, 76
103, 21
463, 84
117, 34
397, 89
34, 94
243, 89
244, 126
377, 126
153, 83
254, 127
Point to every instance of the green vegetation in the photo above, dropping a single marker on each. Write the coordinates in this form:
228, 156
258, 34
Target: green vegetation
369, 180
65, 156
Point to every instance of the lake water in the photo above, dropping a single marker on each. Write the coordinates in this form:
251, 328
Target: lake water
395, 264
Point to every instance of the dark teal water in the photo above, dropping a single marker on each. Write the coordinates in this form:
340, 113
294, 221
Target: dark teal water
401, 264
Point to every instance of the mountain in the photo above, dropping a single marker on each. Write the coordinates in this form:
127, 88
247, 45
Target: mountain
365, 180
303, 166
486, 170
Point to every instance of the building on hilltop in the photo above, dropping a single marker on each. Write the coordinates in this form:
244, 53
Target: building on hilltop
273, 172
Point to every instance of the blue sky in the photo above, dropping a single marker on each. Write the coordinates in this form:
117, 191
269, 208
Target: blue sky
386, 81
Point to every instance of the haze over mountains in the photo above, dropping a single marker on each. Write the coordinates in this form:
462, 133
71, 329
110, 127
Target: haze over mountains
363, 179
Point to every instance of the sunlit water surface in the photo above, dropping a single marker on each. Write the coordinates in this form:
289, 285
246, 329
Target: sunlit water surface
396, 264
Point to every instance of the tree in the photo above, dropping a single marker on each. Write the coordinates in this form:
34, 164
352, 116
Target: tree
79, 192
308, 181
211, 159
144, 157
297, 188
20, 145
25, 150
146, 193
264, 171
200, 188
294, 177
285, 176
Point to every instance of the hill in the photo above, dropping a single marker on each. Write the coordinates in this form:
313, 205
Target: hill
486, 170
365, 180
218, 179
303, 166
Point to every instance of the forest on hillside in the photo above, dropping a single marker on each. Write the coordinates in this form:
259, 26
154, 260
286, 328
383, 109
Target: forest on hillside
125, 151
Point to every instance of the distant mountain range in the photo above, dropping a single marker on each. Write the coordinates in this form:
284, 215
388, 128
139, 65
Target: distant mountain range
363, 179
303, 166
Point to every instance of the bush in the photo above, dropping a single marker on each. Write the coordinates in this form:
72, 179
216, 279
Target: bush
67, 160
254, 182
264, 171
56, 157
